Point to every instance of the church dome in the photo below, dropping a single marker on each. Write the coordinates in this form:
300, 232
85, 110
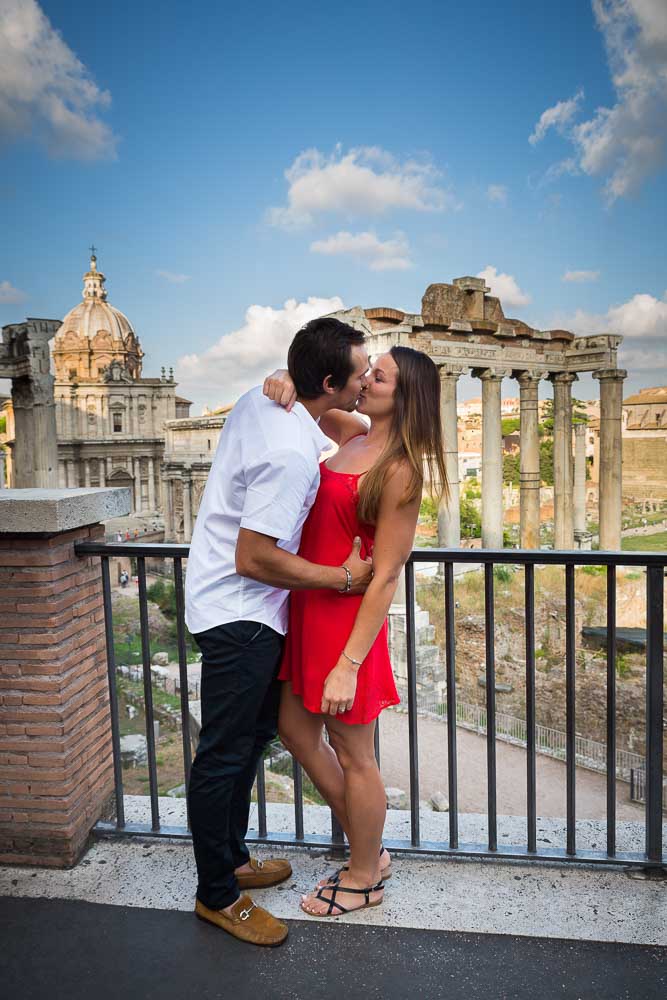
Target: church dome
93, 334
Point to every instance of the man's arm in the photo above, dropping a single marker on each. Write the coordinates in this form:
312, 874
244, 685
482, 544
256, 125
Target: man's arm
260, 558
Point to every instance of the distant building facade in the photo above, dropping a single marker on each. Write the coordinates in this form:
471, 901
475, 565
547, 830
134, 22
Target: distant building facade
190, 445
109, 419
645, 444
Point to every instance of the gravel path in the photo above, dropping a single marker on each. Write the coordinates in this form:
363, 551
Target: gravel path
510, 769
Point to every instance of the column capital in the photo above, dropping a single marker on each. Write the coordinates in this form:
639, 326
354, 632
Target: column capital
580, 429
530, 377
563, 378
492, 374
610, 374
450, 371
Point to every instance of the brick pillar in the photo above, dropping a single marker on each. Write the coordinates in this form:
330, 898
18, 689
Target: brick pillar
56, 776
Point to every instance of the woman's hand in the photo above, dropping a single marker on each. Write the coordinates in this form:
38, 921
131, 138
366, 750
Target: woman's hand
280, 388
340, 688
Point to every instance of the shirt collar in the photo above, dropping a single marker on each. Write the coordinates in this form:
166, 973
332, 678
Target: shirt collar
319, 437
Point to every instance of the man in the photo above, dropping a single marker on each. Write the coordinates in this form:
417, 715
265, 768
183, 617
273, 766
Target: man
242, 564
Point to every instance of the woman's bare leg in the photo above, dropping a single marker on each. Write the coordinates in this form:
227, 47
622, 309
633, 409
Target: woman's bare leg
302, 733
366, 807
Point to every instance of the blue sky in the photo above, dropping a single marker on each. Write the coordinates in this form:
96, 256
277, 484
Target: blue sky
243, 167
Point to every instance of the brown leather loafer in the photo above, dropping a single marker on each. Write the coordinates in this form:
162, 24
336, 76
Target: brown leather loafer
248, 922
264, 873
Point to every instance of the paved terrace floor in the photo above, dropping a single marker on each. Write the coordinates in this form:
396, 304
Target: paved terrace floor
56, 948
120, 925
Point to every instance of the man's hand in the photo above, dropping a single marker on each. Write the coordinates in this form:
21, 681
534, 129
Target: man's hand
340, 688
280, 388
361, 569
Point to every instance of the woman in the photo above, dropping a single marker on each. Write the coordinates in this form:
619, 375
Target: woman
336, 665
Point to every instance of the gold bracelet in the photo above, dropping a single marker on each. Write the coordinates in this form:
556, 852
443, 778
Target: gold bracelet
347, 656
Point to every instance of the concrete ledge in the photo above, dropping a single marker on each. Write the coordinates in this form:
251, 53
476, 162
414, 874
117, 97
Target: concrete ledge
53, 511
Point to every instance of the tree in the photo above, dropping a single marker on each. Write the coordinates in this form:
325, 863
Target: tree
512, 469
510, 425
471, 522
547, 461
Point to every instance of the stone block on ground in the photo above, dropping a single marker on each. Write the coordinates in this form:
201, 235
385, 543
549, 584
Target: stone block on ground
133, 750
160, 659
439, 802
397, 798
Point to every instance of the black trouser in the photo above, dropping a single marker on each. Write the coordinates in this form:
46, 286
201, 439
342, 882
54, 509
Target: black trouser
239, 701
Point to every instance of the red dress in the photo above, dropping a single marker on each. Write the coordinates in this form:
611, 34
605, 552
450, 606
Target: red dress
320, 621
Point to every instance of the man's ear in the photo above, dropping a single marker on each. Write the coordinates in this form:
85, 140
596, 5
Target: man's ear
328, 387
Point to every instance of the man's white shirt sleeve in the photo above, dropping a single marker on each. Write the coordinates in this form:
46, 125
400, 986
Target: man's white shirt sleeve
276, 490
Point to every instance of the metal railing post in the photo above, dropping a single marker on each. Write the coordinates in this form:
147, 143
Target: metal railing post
655, 585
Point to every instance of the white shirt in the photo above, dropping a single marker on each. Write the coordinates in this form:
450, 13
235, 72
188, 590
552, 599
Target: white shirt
264, 477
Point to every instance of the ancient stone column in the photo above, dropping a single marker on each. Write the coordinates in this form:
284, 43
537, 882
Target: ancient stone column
563, 485
449, 516
167, 507
73, 413
100, 471
151, 484
611, 411
187, 509
136, 462
86, 472
72, 477
62, 475
529, 500
35, 458
492, 460
109, 463
579, 480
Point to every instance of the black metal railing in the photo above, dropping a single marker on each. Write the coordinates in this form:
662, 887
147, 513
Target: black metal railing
654, 565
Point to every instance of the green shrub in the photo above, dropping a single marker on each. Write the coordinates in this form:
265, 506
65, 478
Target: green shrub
594, 570
428, 509
503, 574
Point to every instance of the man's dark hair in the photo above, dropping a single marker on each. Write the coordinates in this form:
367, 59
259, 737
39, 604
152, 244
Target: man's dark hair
320, 348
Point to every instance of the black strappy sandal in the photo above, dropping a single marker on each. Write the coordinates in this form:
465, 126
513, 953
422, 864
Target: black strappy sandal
385, 873
335, 888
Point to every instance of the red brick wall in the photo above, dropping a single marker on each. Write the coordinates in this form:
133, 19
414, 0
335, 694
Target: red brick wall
56, 772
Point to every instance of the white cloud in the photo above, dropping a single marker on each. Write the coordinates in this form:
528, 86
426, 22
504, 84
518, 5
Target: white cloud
497, 193
556, 117
641, 321
244, 357
379, 255
641, 317
172, 277
580, 276
505, 287
10, 295
45, 90
622, 144
367, 181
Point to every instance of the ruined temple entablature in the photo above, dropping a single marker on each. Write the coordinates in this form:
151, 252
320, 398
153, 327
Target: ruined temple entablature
464, 329
462, 324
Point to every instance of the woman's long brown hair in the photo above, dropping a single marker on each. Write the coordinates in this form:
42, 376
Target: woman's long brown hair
415, 436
